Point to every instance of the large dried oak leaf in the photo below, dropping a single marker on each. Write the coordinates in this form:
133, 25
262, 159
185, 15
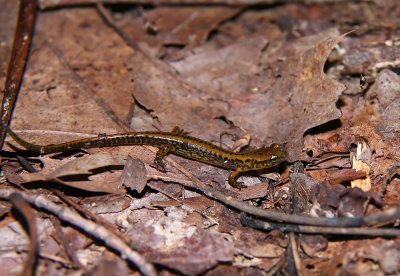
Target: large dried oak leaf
302, 98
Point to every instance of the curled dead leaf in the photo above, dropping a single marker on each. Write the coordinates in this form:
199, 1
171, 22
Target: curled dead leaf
70, 173
86, 165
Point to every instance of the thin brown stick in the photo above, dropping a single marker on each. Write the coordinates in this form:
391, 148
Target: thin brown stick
317, 161
296, 255
350, 231
29, 215
268, 214
194, 183
45, 4
88, 226
16, 66
64, 243
89, 215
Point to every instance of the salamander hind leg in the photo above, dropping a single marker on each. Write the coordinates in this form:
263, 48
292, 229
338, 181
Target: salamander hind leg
232, 179
159, 160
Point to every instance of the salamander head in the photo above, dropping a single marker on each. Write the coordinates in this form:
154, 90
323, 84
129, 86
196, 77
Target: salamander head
270, 156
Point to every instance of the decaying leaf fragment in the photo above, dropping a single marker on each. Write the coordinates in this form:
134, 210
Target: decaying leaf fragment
169, 240
358, 164
376, 121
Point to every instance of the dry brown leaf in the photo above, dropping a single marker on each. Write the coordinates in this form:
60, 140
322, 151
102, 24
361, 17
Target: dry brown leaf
53, 96
110, 265
313, 243
106, 204
392, 194
377, 256
86, 165
134, 175
291, 105
256, 244
187, 25
162, 31
354, 202
82, 166
229, 69
173, 102
170, 241
224, 79
268, 250
302, 98
337, 140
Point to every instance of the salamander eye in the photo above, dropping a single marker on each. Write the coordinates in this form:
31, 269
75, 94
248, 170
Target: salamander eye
274, 157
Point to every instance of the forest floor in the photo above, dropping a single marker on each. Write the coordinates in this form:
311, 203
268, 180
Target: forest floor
319, 78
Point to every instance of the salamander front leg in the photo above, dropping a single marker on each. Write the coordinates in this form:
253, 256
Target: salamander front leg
178, 131
159, 160
232, 179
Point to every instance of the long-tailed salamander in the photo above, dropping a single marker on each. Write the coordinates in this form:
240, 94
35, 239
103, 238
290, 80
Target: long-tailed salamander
178, 143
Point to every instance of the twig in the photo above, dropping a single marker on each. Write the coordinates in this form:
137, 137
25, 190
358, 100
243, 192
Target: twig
92, 216
68, 248
29, 215
282, 217
56, 259
353, 231
19, 54
386, 216
317, 161
45, 4
268, 214
295, 253
98, 231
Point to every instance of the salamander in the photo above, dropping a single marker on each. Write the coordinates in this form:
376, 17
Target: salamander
176, 142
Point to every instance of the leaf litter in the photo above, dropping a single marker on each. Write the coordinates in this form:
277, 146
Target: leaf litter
288, 74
